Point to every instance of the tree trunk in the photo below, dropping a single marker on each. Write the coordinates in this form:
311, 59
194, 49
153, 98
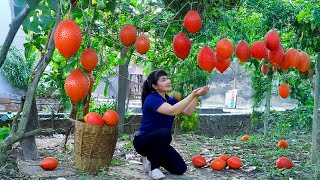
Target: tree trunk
315, 114
267, 109
6, 145
29, 147
123, 76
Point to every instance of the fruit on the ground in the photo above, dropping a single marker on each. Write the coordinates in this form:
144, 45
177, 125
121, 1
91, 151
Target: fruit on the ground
89, 59
224, 157
111, 118
264, 69
76, 85
181, 45
192, 21
49, 163
93, 114
218, 164
176, 95
142, 44
292, 56
67, 38
283, 143
206, 59
198, 161
258, 50
243, 51
128, 35
234, 163
222, 64
245, 138
284, 90
224, 48
276, 56
272, 40
284, 162
95, 119
304, 63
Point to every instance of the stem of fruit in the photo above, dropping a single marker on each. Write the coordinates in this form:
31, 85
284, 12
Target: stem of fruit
88, 97
73, 114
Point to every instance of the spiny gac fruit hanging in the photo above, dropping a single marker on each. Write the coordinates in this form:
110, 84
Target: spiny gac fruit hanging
224, 48
142, 44
67, 38
76, 85
181, 45
222, 64
89, 59
192, 21
259, 50
128, 35
276, 56
304, 63
284, 90
243, 51
206, 59
292, 56
272, 40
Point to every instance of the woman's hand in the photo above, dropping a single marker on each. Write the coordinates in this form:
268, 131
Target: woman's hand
201, 91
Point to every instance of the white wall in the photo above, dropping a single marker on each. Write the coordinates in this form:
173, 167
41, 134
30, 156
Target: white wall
6, 91
5, 19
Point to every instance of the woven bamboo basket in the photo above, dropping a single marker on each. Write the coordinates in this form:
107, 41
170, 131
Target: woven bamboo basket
94, 146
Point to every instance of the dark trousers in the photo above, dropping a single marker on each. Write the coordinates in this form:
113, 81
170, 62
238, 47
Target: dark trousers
156, 146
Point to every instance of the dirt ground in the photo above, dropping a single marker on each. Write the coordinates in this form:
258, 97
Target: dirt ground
125, 165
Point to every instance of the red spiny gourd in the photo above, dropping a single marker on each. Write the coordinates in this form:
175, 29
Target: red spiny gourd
276, 56
192, 21
67, 38
284, 90
89, 59
142, 44
181, 45
243, 51
128, 35
76, 85
293, 57
224, 48
49, 163
304, 63
284, 162
258, 50
218, 164
198, 161
234, 163
222, 64
206, 59
272, 40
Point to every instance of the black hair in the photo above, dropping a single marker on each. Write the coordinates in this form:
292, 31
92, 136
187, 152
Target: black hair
147, 84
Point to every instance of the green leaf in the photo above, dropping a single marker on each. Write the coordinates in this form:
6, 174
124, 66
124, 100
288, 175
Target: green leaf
105, 91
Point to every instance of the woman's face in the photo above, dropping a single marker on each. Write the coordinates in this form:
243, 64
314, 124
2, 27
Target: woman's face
163, 84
